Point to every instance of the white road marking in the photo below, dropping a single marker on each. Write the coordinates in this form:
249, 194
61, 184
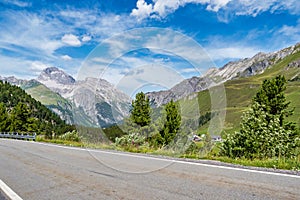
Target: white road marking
9, 192
172, 160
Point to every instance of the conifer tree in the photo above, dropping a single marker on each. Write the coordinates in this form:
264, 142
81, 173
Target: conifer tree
141, 110
172, 123
264, 132
20, 117
3, 117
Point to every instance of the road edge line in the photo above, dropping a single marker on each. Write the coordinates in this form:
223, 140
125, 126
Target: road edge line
8, 192
173, 160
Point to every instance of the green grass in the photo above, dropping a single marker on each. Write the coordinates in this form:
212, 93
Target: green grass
287, 164
62, 142
54, 101
45, 95
239, 93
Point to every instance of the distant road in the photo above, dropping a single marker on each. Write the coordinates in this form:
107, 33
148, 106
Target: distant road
37, 171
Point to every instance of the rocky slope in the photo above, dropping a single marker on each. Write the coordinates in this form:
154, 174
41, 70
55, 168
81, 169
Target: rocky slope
13, 80
40, 92
214, 76
91, 102
97, 98
180, 90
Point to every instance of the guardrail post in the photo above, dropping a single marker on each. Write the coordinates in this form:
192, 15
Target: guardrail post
18, 136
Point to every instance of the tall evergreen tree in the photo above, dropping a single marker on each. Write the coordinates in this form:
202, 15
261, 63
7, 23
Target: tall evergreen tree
21, 119
264, 131
172, 123
3, 117
272, 100
141, 110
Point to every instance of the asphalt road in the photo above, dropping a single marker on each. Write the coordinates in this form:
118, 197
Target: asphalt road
2, 197
44, 171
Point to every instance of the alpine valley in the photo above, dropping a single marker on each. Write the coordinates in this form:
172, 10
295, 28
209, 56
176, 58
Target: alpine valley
96, 102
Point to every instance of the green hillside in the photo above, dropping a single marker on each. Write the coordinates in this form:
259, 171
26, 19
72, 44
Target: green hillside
239, 93
22, 113
56, 102
42, 93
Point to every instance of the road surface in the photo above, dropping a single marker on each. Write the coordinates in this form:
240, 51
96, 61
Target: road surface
37, 171
2, 197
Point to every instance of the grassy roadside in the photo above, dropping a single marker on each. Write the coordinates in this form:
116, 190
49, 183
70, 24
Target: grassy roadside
62, 142
285, 164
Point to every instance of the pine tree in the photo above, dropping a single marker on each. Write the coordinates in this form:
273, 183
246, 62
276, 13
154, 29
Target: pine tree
272, 100
141, 110
21, 119
264, 131
3, 117
172, 123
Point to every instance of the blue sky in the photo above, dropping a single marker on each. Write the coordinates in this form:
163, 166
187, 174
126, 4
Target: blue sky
39, 34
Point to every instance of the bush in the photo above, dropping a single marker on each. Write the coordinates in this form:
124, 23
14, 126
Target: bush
156, 140
264, 131
134, 139
70, 136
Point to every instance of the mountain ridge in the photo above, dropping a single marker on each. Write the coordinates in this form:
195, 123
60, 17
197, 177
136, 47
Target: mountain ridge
232, 70
106, 105
97, 101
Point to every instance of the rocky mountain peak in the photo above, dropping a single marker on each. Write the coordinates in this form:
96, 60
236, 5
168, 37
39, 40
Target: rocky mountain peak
56, 75
96, 99
235, 69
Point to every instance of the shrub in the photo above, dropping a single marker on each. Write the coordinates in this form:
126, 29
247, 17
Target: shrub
70, 136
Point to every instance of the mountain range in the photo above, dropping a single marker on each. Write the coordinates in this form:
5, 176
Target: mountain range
91, 102
233, 70
96, 102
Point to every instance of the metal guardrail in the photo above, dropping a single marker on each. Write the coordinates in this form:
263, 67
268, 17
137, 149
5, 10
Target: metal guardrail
19, 136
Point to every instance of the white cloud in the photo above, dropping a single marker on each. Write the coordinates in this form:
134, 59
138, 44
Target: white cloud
112, 54
287, 35
15, 66
146, 75
31, 32
38, 66
136, 61
66, 57
143, 9
71, 40
38, 35
189, 70
175, 44
236, 52
161, 8
86, 38
97, 25
290, 31
246, 7
225, 48
255, 7
18, 3
216, 5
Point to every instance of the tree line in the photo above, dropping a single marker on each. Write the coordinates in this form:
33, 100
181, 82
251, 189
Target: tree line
19, 112
139, 127
264, 131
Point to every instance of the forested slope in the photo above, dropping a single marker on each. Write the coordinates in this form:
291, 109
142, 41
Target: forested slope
19, 112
